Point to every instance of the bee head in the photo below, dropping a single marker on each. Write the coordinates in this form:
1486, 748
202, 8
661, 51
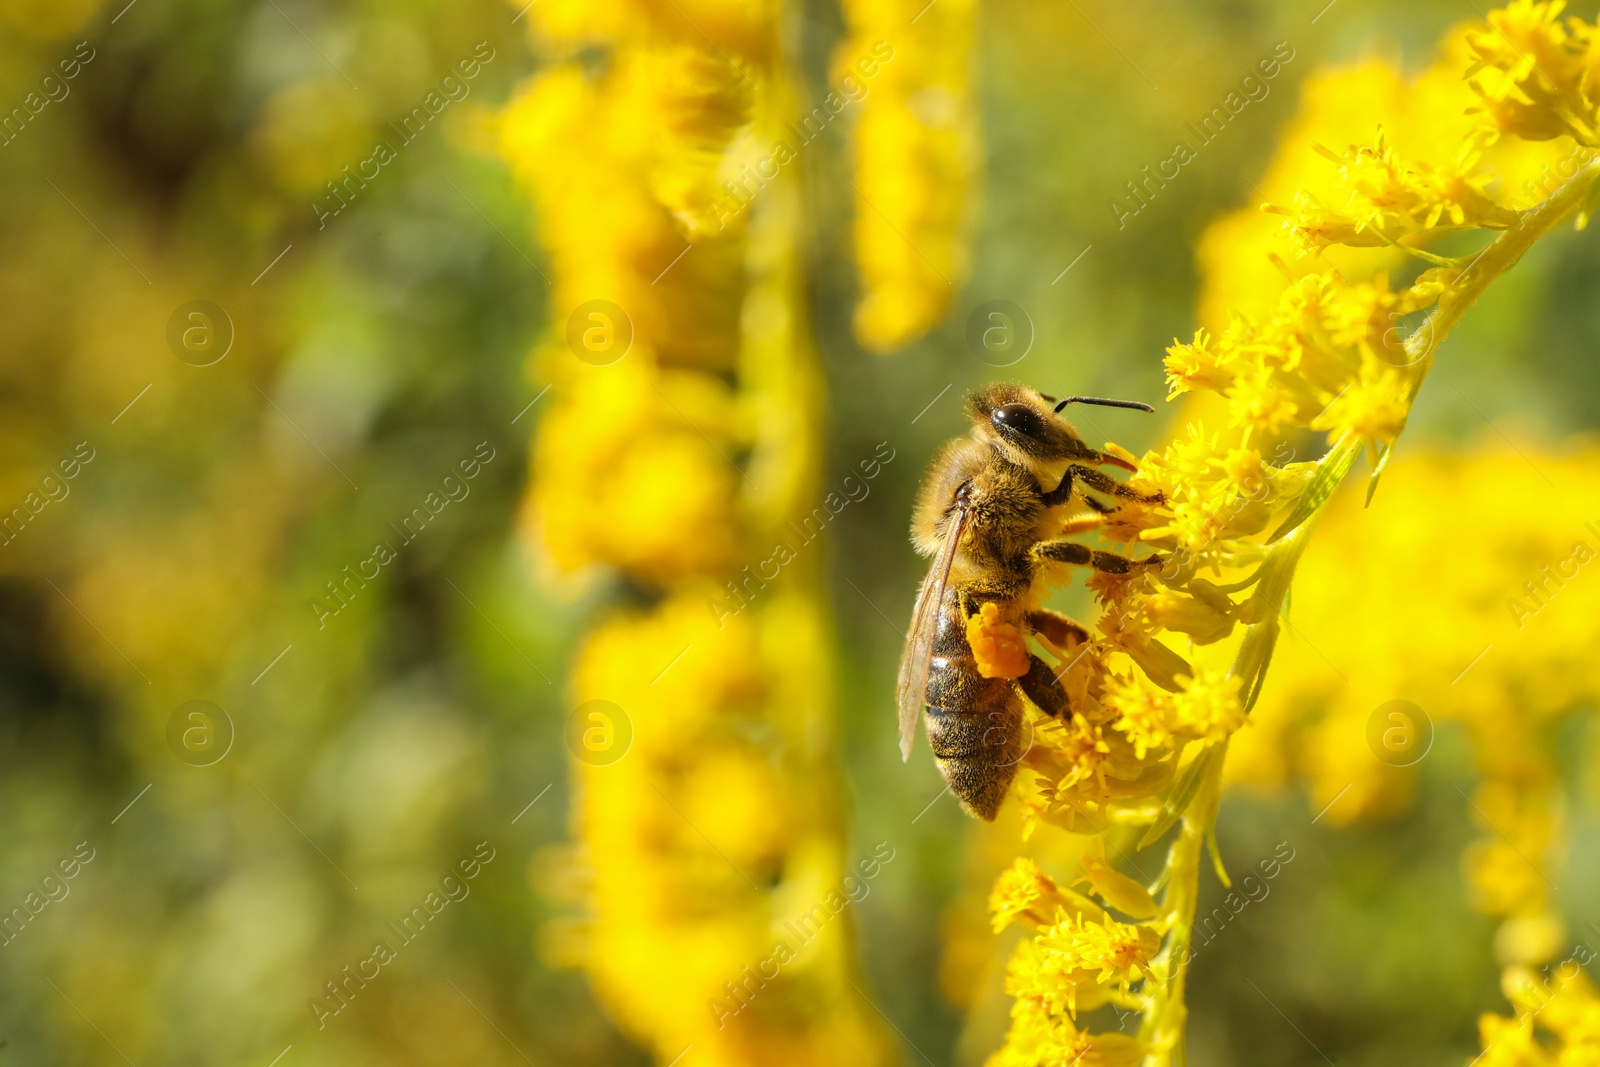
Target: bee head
1022, 425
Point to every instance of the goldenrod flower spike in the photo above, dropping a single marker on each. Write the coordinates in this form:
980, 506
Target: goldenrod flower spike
1180, 653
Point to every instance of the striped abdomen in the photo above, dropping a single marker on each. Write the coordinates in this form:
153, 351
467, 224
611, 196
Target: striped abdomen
974, 723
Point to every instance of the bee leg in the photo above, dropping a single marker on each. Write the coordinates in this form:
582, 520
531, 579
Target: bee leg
1081, 525
1061, 493
1042, 687
1093, 521
1056, 628
1084, 556
1101, 482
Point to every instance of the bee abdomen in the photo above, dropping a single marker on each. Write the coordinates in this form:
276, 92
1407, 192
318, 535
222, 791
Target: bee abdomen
974, 726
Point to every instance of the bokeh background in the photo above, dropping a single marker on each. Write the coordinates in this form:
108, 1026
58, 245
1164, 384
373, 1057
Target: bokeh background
369, 353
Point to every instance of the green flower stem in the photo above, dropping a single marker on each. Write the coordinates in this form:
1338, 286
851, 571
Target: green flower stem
1164, 1022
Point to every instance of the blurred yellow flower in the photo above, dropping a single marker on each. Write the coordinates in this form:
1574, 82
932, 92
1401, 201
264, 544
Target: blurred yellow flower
709, 840
915, 163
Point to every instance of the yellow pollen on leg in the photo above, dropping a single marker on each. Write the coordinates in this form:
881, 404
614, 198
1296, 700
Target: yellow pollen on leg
997, 645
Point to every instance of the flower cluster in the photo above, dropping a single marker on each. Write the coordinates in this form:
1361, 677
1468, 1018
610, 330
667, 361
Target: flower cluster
1389, 199
1180, 650
1409, 133
1077, 958
1536, 76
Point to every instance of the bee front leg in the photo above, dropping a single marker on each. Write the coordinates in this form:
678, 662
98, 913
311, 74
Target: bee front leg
1083, 556
1061, 493
1041, 686
1101, 482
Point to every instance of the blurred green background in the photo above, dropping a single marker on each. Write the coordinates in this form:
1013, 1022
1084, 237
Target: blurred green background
370, 355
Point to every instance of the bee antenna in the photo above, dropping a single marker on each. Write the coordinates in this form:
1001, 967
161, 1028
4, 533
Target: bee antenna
1104, 402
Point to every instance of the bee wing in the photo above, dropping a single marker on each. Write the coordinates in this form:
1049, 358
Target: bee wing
911, 691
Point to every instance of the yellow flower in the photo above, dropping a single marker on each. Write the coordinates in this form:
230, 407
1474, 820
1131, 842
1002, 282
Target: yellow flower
1207, 707
1509, 1043
622, 475
1257, 399
1144, 712
1204, 613
1197, 365
1114, 887
1374, 408
1321, 342
1387, 199
1424, 118
703, 812
1533, 76
1572, 1014
1561, 1002
1024, 893
1040, 1039
1116, 951
1052, 983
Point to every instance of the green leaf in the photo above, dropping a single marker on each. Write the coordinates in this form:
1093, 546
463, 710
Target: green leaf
1255, 656
1216, 854
1330, 472
1178, 800
1383, 461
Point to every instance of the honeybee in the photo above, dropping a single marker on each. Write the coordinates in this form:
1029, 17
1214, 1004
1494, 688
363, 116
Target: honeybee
991, 512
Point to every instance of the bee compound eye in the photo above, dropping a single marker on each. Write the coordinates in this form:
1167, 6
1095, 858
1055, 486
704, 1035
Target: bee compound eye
1019, 418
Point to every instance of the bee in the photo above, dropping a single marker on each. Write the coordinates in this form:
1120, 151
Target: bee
991, 513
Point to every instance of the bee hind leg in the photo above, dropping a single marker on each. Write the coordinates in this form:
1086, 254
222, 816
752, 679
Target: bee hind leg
1042, 687
1056, 628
